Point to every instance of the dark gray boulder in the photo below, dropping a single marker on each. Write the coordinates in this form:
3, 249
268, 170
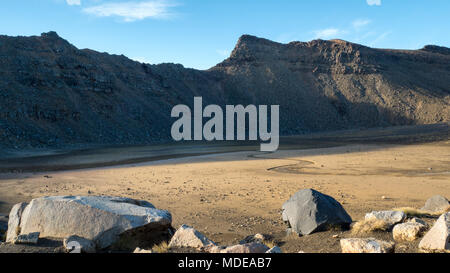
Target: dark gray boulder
309, 211
436, 203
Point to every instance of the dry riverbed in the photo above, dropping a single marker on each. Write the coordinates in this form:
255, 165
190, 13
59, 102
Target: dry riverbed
231, 195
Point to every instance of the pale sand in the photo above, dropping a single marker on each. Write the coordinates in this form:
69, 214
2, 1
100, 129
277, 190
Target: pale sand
229, 196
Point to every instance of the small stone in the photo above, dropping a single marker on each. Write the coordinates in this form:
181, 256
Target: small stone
391, 217
142, 251
436, 203
187, 236
245, 248
418, 220
79, 244
408, 231
366, 245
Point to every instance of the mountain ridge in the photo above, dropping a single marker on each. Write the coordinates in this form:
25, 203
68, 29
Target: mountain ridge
53, 94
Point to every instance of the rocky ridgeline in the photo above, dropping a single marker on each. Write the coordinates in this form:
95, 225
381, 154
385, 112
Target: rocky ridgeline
99, 223
55, 95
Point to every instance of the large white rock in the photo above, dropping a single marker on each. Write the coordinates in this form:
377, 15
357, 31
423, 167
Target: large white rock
391, 217
438, 237
101, 219
408, 231
14, 222
187, 236
366, 245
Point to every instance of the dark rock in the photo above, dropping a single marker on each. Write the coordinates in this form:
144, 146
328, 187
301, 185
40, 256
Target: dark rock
309, 211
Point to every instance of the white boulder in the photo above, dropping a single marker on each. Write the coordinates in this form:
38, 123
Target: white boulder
101, 219
187, 236
437, 239
366, 245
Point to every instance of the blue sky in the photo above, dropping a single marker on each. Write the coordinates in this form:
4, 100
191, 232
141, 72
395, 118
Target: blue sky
201, 33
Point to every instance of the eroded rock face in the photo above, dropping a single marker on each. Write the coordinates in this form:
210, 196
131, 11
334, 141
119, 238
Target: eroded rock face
366, 245
391, 217
106, 221
438, 237
55, 95
308, 211
436, 203
408, 231
187, 236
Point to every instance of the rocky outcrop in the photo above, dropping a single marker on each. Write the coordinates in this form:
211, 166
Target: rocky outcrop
55, 95
308, 211
107, 221
438, 237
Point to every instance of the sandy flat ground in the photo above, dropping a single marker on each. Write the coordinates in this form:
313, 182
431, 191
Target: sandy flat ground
229, 196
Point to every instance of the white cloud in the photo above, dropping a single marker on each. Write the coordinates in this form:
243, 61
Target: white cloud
73, 2
359, 23
133, 11
374, 2
328, 33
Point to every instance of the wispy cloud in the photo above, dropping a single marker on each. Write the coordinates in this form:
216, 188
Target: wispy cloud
73, 2
328, 33
134, 11
360, 23
380, 38
374, 2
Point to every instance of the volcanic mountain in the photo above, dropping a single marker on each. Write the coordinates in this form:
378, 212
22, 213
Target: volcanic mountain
55, 95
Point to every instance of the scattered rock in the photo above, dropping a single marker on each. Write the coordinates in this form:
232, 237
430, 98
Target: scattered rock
438, 237
257, 238
308, 211
79, 244
391, 217
274, 249
30, 238
105, 220
245, 248
418, 220
409, 231
14, 221
187, 236
436, 203
367, 245
142, 251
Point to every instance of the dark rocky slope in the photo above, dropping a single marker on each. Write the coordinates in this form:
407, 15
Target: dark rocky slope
55, 95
